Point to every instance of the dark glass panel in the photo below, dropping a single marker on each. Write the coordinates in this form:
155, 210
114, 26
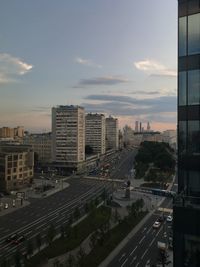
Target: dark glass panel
193, 34
182, 137
194, 137
182, 36
182, 88
194, 87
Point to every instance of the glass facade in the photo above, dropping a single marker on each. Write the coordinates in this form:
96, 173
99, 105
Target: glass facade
187, 211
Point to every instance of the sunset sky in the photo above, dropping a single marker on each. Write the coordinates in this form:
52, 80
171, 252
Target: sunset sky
117, 57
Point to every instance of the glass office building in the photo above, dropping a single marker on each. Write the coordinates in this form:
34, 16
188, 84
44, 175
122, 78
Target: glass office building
187, 202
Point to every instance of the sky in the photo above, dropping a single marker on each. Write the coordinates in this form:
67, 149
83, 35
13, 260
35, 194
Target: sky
117, 57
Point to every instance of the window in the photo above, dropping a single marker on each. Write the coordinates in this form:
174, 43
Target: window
182, 88
182, 36
193, 137
194, 87
182, 137
193, 34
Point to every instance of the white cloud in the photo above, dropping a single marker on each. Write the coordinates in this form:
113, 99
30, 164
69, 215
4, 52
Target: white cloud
86, 62
10, 67
154, 68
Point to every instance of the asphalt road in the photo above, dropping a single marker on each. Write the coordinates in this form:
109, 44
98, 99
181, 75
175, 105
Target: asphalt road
141, 250
55, 209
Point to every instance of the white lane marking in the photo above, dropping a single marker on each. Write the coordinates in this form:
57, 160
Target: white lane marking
124, 262
158, 232
133, 259
144, 229
149, 230
152, 242
144, 253
133, 250
137, 264
141, 240
147, 263
123, 255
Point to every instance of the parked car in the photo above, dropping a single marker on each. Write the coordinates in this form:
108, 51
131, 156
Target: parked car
6, 206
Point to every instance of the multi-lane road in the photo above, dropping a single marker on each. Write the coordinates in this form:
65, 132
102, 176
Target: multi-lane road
55, 209
141, 250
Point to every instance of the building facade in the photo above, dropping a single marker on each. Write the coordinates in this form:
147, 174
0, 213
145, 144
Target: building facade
68, 136
187, 202
16, 167
41, 145
112, 133
7, 132
95, 132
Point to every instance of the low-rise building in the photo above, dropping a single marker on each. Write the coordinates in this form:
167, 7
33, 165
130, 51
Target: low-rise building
41, 144
16, 167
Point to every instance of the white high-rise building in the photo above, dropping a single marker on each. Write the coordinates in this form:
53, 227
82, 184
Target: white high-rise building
95, 132
68, 134
112, 133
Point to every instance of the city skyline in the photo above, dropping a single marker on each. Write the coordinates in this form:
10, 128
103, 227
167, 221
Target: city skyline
109, 57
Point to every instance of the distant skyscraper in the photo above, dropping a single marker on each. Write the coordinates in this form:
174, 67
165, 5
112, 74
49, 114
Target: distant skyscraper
68, 135
187, 204
140, 127
95, 132
112, 133
136, 126
148, 126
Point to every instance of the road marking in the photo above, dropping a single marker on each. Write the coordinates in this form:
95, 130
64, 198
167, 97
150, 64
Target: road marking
137, 264
149, 230
141, 240
147, 263
133, 250
133, 259
144, 253
124, 262
158, 232
123, 255
152, 242
144, 229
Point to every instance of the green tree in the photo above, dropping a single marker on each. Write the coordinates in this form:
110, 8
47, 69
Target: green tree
51, 234
62, 231
38, 241
17, 259
29, 248
76, 213
80, 257
88, 150
70, 261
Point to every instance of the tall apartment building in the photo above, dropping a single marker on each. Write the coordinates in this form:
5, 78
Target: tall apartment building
68, 135
7, 132
16, 166
95, 132
112, 133
41, 144
187, 203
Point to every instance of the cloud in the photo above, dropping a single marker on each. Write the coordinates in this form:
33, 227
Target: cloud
10, 67
157, 108
107, 80
86, 62
155, 68
144, 92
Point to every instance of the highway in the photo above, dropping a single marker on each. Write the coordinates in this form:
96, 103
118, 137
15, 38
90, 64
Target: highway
55, 209
141, 250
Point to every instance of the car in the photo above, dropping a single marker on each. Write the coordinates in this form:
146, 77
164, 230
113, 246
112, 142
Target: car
6, 206
169, 218
156, 225
11, 238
